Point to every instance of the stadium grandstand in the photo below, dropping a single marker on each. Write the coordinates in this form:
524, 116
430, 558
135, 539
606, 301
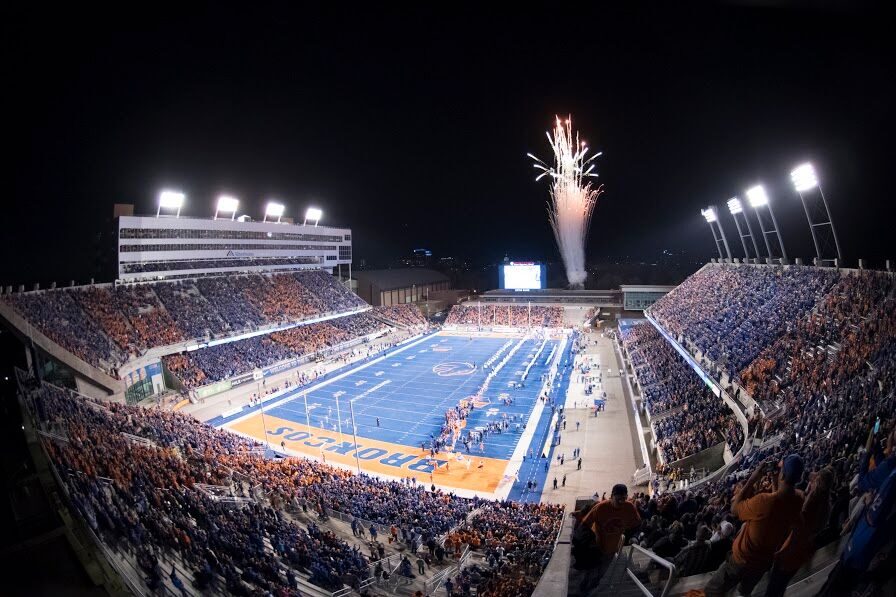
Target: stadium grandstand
271, 432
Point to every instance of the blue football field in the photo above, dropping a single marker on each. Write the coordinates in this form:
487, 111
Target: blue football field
410, 389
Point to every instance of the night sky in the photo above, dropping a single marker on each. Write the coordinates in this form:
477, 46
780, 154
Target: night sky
412, 128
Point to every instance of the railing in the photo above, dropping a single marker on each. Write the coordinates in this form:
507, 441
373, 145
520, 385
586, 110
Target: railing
559, 530
624, 575
366, 524
433, 584
641, 476
656, 560
621, 352
55, 436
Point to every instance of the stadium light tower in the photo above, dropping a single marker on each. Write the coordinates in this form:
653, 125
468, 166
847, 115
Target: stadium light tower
804, 180
735, 207
758, 198
227, 204
718, 233
170, 200
312, 213
273, 210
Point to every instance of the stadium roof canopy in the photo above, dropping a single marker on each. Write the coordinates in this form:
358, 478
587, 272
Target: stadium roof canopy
645, 288
390, 279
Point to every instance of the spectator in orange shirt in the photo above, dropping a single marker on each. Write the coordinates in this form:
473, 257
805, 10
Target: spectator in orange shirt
800, 545
768, 520
608, 520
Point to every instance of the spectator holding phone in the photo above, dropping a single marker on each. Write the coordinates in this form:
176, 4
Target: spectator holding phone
768, 519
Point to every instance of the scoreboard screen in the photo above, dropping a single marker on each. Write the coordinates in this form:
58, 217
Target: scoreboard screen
522, 276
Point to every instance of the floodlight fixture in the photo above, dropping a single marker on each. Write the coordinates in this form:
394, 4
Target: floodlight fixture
757, 196
169, 199
737, 208
804, 177
718, 233
313, 213
227, 204
273, 210
821, 225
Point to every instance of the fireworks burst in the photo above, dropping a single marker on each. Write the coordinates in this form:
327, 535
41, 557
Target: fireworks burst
572, 196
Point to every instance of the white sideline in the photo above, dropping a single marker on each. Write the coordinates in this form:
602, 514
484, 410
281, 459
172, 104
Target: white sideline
516, 460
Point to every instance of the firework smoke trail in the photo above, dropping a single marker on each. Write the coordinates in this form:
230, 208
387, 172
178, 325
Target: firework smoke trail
572, 198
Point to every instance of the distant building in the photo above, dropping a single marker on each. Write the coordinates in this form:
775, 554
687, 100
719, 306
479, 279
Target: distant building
399, 286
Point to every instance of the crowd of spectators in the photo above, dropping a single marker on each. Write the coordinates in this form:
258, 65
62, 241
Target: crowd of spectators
409, 315
297, 481
686, 416
697, 529
107, 325
183, 369
162, 266
152, 323
281, 298
830, 374
59, 317
509, 315
99, 306
226, 294
192, 312
830, 344
517, 541
665, 378
732, 312
223, 361
147, 497
333, 294
704, 421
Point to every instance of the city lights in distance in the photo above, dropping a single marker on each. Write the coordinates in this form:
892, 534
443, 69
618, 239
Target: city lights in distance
804, 177
734, 206
757, 196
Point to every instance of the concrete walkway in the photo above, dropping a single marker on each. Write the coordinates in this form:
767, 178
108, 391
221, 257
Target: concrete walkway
608, 444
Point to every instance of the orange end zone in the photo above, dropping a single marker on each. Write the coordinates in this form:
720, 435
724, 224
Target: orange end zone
375, 457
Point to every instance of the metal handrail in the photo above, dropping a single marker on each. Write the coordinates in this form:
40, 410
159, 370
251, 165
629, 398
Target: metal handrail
433, 583
559, 530
655, 558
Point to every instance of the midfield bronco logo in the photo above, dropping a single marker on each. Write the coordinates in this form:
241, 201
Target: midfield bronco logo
452, 368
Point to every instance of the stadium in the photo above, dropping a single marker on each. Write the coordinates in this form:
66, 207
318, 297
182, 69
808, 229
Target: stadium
244, 402
227, 393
